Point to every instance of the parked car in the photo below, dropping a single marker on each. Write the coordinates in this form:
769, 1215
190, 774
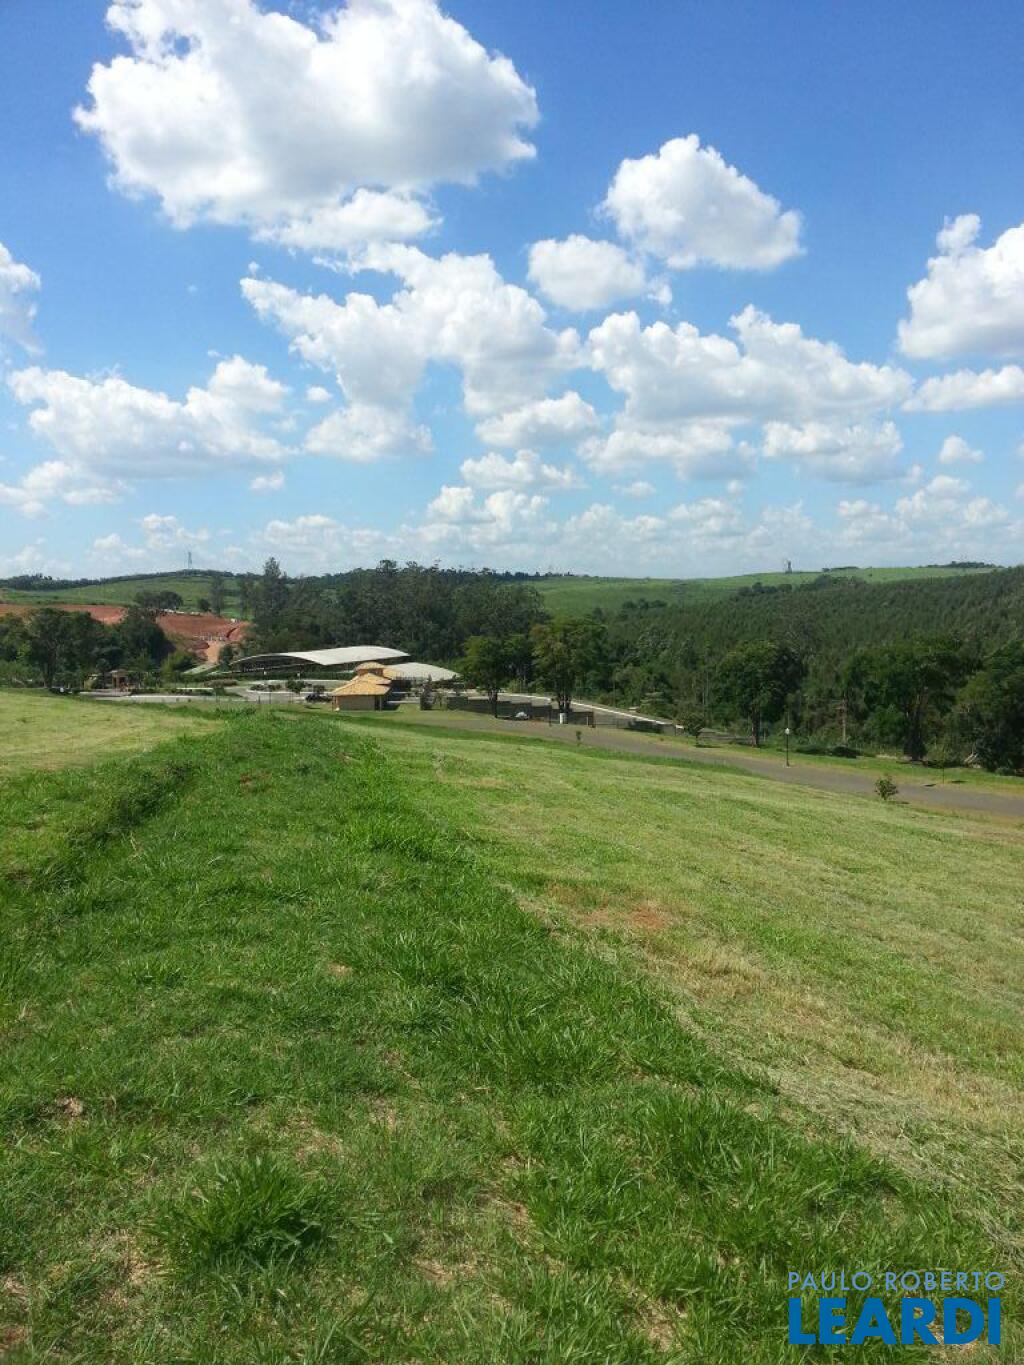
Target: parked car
316, 696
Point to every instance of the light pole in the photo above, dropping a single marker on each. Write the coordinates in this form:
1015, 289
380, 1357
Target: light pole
787, 746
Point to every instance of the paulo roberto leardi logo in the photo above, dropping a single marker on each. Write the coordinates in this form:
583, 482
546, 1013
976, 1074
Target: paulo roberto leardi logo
896, 1307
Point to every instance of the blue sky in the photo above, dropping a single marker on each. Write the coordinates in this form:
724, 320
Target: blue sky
585, 286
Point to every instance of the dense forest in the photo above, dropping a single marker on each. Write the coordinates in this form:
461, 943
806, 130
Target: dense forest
902, 665
665, 651
428, 611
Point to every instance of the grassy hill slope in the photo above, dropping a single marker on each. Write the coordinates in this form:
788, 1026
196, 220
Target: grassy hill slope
121, 592
327, 1041
578, 595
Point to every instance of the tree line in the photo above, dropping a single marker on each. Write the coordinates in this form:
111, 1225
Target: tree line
64, 648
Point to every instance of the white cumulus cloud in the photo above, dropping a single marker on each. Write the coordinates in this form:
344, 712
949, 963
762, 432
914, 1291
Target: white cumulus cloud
268, 483
955, 450
857, 453
770, 372
581, 274
232, 113
695, 450
971, 302
545, 422
65, 481
687, 206
19, 285
965, 389
369, 216
163, 532
524, 470
455, 308
363, 432
114, 427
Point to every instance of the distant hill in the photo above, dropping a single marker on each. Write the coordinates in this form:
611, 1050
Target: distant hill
663, 651
579, 594
191, 585
574, 594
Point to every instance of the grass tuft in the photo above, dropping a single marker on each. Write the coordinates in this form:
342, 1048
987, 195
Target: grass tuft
254, 1211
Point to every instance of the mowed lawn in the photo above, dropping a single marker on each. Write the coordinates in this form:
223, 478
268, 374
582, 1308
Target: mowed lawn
38, 730
871, 956
336, 1040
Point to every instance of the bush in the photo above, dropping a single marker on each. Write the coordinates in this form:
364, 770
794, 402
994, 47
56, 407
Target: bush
886, 788
251, 1212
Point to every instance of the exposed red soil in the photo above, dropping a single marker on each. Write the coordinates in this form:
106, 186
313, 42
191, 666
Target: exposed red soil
200, 632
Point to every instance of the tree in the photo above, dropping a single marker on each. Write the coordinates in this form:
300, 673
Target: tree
244, 594
519, 651
759, 679
990, 710
912, 683
62, 643
225, 655
565, 650
203, 603
690, 720
140, 641
178, 662
162, 600
217, 593
270, 603
45, 638
486, 665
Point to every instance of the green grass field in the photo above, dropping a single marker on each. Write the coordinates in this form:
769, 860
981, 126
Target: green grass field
337, 1039
121, 592
577, 596
41, 731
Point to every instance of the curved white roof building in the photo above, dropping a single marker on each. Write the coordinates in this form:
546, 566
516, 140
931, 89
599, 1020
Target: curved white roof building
346, 656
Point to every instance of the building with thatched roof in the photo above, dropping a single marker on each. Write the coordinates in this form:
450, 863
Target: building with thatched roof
368, 692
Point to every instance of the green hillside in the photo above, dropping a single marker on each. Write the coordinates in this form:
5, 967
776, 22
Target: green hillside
121, 592
579, 594
674, 650
334, 1040
572, 594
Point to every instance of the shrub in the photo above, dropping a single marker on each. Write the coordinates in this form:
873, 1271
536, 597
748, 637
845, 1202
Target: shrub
886, 788
247, 1213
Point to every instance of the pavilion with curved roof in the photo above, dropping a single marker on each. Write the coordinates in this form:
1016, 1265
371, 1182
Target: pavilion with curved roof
296, 660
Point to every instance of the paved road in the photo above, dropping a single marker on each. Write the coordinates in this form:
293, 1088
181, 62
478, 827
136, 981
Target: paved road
916, 788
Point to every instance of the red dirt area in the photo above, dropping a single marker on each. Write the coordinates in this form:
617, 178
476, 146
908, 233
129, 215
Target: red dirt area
200, 632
